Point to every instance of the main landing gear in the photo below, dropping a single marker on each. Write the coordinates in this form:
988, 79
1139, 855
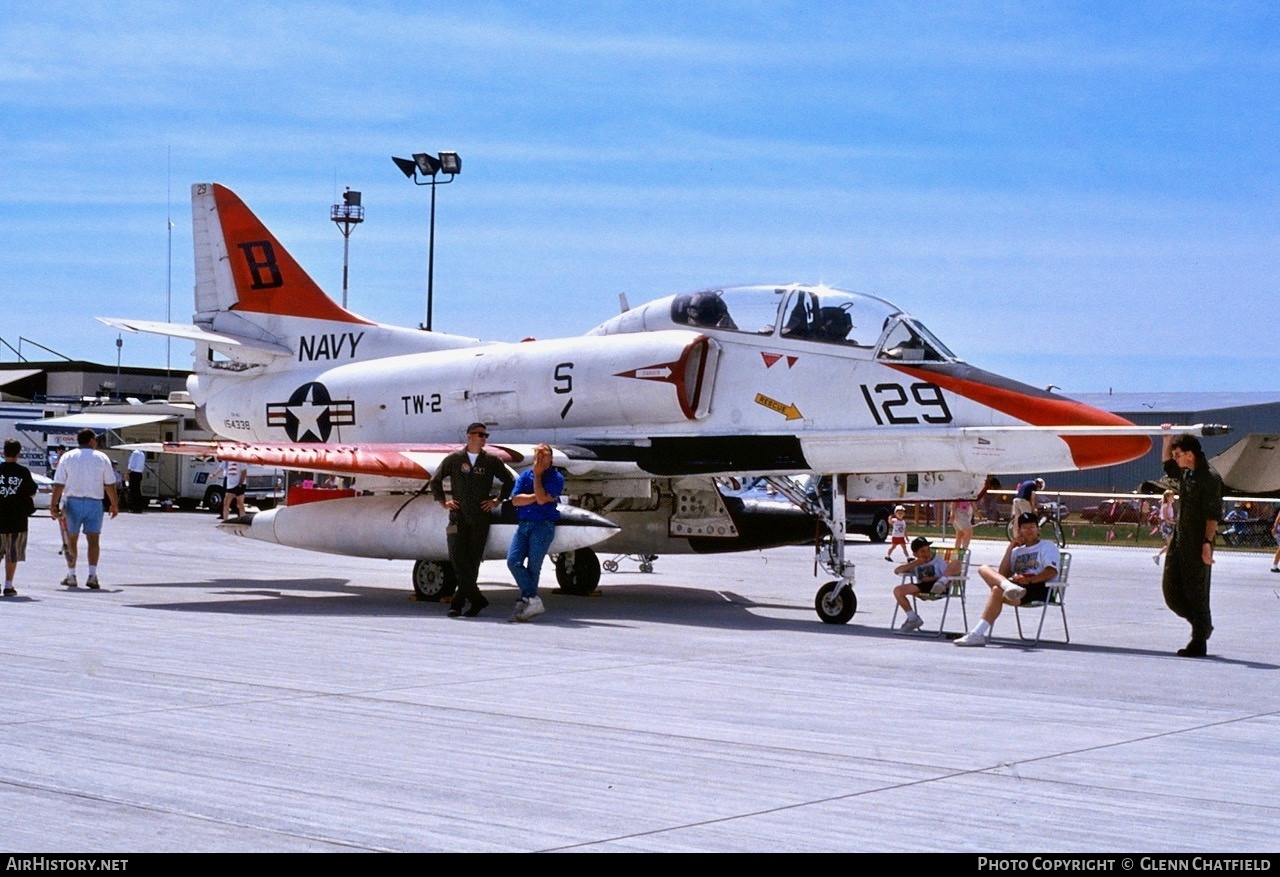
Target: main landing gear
835, 601
578, 572
433, 580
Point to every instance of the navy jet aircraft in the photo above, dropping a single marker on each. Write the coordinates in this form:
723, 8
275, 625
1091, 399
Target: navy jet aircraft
647, 413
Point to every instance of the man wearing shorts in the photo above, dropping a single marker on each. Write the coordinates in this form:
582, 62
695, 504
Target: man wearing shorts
1024, 498
1029, 564
17, 487
237, 477
84, 477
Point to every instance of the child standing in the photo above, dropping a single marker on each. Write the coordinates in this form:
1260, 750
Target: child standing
898, 530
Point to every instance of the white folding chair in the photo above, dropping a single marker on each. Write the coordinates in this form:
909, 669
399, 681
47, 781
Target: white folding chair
1055, 596
955, 589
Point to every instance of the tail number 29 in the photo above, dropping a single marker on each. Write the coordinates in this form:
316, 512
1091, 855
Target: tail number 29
892, 403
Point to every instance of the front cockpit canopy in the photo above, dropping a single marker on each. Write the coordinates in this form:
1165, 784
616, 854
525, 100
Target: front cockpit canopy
808, 313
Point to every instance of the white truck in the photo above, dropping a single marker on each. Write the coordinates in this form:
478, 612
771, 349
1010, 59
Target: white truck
187, 482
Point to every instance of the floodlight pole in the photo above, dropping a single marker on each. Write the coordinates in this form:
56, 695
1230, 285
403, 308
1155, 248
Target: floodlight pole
423, 170
431, 255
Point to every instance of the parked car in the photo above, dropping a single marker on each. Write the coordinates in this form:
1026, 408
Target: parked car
44, 491
1052, 509
1115, 511
1004, 509
871, 519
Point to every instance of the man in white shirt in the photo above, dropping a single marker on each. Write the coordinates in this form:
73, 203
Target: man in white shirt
1029, 564
237, 478
85, 477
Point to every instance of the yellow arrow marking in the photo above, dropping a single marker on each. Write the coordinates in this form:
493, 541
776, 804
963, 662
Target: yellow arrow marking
791, 411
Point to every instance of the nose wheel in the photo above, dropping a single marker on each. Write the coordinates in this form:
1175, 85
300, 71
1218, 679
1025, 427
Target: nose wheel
835, 602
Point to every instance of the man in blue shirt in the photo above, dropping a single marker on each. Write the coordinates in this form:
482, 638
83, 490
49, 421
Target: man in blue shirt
535, 496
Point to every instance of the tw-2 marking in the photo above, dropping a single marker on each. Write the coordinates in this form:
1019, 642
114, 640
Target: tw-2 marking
422, 403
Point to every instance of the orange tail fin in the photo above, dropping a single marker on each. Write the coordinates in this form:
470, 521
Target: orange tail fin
262, 277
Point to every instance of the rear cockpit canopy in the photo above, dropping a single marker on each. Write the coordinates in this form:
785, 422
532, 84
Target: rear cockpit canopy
813, 314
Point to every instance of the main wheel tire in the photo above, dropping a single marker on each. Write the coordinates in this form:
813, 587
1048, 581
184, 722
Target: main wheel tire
835, 603
610, 566
578, 572
433, 580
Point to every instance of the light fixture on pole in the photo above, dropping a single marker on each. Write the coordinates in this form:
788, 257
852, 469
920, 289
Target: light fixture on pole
423, 169
347, 216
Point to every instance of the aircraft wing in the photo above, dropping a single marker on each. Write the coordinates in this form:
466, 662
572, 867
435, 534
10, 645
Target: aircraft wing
878, 449
1131, 429
611, 458
410, 461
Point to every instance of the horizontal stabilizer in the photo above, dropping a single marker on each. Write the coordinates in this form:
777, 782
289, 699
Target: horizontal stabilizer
233, 346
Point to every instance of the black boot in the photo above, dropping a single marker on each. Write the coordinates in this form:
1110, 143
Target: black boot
1194, 649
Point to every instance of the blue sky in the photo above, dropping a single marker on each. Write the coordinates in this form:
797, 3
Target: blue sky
1079, 194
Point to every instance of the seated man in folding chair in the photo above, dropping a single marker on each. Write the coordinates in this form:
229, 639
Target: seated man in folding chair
1029, 563
932, 576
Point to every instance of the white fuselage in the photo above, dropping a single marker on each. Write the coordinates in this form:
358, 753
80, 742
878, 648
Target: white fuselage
847, 411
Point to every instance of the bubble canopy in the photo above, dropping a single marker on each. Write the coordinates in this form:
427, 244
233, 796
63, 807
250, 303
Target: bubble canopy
816, 314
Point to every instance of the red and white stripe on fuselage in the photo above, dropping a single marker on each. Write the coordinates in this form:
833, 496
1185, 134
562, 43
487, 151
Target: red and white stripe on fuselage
1039, 408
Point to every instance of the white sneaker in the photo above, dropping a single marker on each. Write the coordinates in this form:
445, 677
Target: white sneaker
69, 581
972, 639
912, 624
532, 609
1014, 592
520, 606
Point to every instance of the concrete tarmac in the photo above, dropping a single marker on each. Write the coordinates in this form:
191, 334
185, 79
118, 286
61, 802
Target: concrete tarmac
226, 695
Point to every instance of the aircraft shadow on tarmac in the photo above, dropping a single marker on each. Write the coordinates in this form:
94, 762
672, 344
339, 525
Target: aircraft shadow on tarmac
615, 605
